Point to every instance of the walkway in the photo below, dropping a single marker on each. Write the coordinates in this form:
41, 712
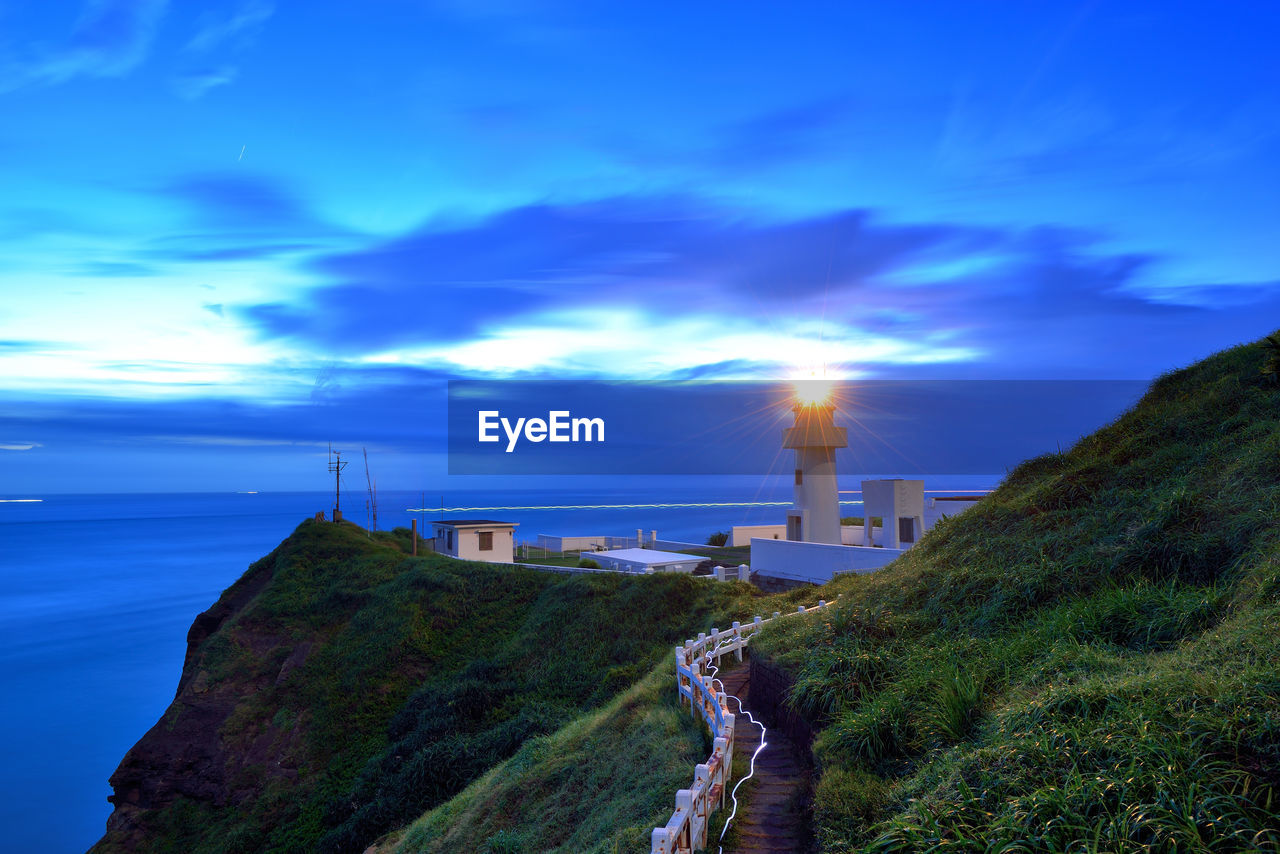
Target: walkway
772, 823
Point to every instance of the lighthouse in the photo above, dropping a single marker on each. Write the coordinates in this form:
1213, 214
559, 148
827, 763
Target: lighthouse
815, 438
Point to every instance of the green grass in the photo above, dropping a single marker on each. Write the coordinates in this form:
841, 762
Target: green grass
600, 784
555, 559
421, 674
1085, 661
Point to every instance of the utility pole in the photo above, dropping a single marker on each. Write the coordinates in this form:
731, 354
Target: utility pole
336, 465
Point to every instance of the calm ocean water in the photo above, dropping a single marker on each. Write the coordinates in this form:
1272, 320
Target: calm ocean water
97, 593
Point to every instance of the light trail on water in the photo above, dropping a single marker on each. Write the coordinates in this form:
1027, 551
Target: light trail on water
603, 506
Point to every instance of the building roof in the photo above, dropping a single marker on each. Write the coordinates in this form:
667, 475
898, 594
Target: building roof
649, 557
473, 523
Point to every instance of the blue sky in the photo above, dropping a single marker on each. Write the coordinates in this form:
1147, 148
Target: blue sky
232, 231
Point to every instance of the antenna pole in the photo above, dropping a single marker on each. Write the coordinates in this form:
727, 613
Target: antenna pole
373, 498
336, 465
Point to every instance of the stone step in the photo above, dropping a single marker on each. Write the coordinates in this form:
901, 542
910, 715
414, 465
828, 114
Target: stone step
767, 824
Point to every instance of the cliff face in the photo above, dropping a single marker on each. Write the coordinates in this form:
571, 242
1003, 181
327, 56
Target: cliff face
340, 688
184, 755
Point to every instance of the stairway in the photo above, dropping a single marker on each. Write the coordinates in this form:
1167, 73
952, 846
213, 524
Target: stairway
770, 822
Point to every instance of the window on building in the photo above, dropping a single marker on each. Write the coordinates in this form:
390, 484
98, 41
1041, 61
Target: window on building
486, 541
448, 539
799, 477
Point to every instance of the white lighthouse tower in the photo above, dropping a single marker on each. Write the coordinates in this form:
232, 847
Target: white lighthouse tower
815, 438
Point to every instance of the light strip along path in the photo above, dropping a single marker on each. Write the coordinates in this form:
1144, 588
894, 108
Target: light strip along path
770, 823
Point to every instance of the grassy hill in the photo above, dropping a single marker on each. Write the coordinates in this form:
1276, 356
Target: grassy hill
340, 688
1088, 660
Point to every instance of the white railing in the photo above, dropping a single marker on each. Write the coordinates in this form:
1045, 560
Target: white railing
686, 830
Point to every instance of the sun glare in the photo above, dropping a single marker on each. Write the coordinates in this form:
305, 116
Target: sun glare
813, 392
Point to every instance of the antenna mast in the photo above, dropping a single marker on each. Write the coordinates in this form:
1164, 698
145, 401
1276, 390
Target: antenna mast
373, 493
336, 465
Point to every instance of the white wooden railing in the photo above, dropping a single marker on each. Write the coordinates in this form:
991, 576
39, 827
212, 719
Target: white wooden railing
686, 830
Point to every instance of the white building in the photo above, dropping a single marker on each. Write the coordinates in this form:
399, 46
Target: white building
645, 560
905, 514
815, 438
900, 504
476, 539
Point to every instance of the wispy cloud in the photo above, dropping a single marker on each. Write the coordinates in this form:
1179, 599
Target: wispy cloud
110, 39
211, 56
239, 29
198, 83
115, 269
782, 135
17, 346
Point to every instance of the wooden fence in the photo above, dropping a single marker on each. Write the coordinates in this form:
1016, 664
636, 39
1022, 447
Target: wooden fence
686, 830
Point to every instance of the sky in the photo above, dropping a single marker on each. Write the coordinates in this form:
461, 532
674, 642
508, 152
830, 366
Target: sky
233, 232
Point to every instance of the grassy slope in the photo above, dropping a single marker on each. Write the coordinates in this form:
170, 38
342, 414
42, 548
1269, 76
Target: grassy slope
422, 674
601, 784
1085, 661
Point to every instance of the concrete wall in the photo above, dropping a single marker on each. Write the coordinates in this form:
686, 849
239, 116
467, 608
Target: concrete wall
604, 542
935, 509
741, 535
570, 544
567, 570
851, 535
675, 546
815, 562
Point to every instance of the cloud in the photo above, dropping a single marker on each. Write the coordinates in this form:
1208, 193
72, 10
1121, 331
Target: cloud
393, 405
231, 217
783, 135
110, 39
193, 85
19, 446
211, 56
225, 199
238, 30
453, 282
675, 286
115, 269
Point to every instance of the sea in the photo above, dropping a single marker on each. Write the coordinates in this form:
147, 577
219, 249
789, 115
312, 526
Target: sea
97, 593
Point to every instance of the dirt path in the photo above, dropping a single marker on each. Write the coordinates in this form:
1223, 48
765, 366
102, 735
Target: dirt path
770, 823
